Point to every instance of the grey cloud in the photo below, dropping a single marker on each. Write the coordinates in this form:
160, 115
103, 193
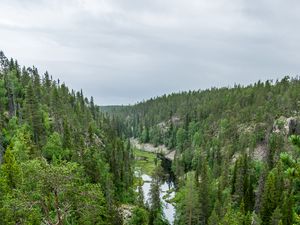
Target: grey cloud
123, 51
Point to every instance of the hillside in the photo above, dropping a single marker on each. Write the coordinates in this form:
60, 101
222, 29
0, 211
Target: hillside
62, 161
236, 150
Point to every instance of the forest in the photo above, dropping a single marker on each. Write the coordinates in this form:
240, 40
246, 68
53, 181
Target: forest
62, 161
65, 160
236, 150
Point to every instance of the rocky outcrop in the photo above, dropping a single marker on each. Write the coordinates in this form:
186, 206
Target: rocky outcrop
175, 120
126, 213
161, 149
260, 152
287, 126
293, 126
171, 155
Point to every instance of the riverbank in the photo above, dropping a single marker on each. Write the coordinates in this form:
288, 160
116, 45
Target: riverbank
147, 147
144, 161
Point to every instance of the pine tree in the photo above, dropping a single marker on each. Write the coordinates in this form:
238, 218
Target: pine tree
204, 194
3, 97
156, 216
140, 198
67, 141
180, 137
21, 143
11, 83
155, 203
33, 114
139, 217
213, 219
269, 200
47, 88
287, 209
276, 218
187, 207
11, 170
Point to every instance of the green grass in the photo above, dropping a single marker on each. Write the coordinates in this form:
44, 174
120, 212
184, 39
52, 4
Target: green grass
144, 161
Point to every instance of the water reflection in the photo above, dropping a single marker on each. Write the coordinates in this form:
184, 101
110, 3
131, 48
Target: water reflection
167, 188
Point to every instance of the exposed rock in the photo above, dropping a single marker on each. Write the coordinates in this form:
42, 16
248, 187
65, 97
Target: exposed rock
171, 155
235, 157
151, 148
163, 126
244, 128
260, 152
284, 126
98, 141
126, 212
293, 126
175, 119
287, 126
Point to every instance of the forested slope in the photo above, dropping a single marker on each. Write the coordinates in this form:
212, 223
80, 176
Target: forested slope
61, 160
237, 150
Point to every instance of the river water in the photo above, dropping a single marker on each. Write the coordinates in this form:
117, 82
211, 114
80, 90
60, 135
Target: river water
165, 188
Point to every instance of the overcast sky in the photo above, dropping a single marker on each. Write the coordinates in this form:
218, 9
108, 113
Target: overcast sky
124, 51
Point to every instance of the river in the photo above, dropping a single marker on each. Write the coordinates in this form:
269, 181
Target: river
145, 154
166, 188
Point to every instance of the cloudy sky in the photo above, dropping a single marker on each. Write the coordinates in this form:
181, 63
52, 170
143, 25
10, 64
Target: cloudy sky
124, 51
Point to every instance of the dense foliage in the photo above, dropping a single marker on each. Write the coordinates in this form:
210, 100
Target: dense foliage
61, 160
237, 150
65, 161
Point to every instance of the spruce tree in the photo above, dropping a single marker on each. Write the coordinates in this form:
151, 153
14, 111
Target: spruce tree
11, 170
269, 200
33, 114
204, 194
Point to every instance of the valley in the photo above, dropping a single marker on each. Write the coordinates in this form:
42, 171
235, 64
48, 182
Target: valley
221, 156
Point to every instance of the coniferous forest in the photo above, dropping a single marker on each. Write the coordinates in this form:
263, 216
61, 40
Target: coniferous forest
236, 150
62, 160
65, 160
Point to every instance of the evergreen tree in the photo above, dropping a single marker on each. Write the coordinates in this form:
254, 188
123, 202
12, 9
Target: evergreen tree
276, 217
33, 115
204, 194
11, 170
156, 216
269, 199
213, 219
287, 209
139, 217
